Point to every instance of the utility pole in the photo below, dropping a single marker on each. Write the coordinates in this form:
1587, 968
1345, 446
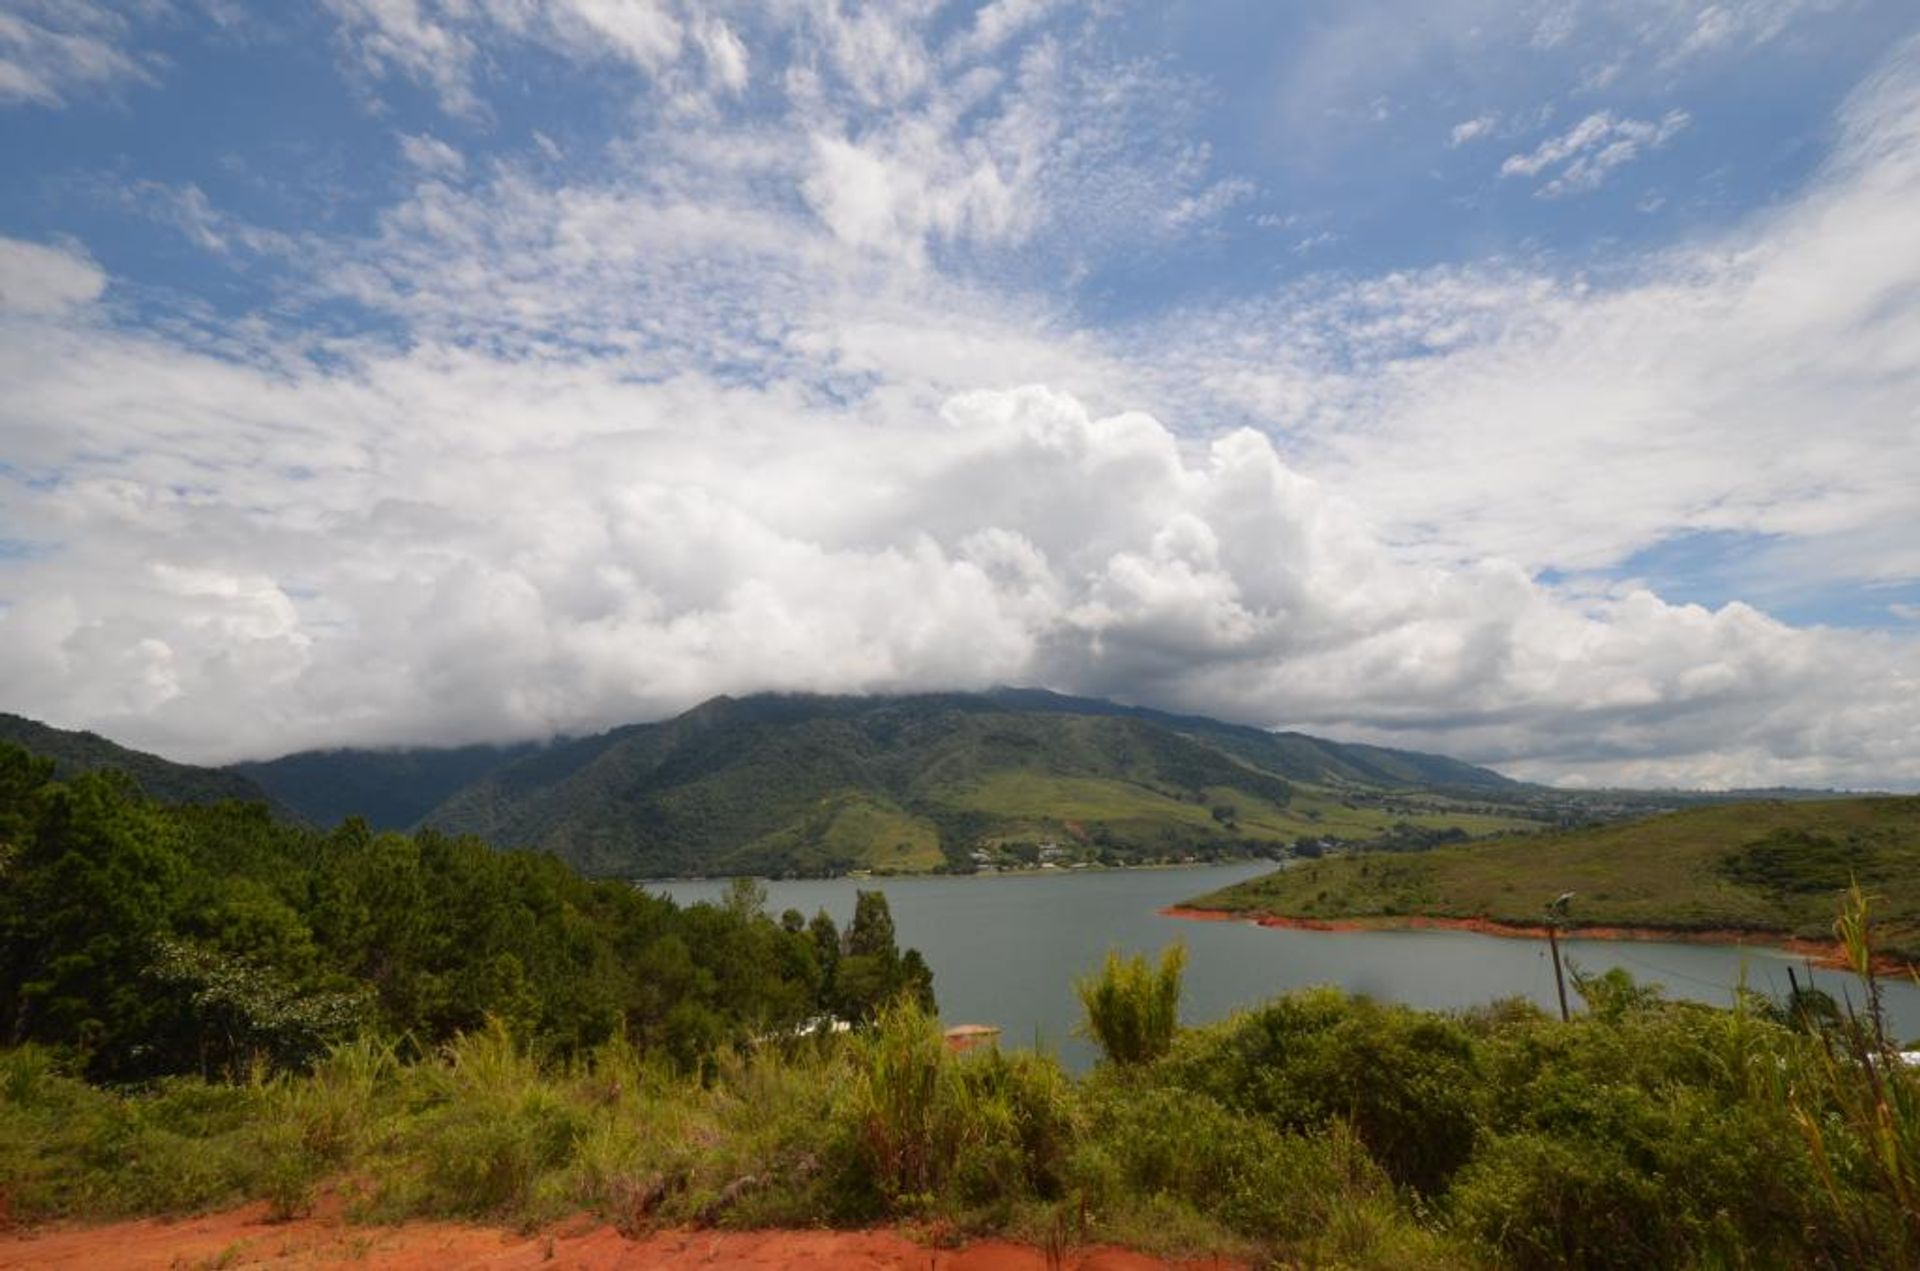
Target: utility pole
1557, 914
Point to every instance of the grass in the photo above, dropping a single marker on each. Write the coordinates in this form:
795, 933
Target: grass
887, 1125
1769, 866
1047, 799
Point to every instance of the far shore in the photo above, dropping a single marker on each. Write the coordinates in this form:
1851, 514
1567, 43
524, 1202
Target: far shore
1824, 953
1003, 871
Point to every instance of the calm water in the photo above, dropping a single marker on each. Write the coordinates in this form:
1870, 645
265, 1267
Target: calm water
1006, 948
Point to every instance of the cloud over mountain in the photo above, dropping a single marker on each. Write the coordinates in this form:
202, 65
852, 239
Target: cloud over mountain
783, 386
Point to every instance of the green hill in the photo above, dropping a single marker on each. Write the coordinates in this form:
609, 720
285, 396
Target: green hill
1293, 755
388, 789
796, 784
1771, 866
804, 784
77, 752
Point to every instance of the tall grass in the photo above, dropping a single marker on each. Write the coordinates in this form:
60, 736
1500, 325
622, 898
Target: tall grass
1133, 1008
1858, 1105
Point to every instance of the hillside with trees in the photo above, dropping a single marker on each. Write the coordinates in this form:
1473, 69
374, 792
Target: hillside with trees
1769, 866
77, 752
146, 939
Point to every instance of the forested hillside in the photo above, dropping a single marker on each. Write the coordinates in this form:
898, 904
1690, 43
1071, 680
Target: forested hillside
148, 938
76, 752
388, 789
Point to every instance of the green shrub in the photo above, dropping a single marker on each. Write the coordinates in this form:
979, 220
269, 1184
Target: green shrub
1133, 1008
500, 1125
1407, 1081
894, 1102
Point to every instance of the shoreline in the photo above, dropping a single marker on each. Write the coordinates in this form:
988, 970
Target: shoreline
1003, 872
1822, 953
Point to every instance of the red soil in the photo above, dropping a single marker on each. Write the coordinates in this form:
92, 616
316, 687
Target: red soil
245, 1238
1822, 952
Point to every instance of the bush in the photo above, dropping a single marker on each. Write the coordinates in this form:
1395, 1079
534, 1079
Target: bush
501, 1124
1132, 1008
1407, 1081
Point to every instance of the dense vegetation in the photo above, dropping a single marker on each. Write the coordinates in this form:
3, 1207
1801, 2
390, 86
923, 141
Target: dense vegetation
73, 753
1320, 1129
1767, 866
201, 1004
140, 939
388, 789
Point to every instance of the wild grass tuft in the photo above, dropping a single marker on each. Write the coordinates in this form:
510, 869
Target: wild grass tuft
1133, 1008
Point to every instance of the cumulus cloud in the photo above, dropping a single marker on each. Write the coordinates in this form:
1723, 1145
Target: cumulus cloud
650, 434
1760, 384
443, 547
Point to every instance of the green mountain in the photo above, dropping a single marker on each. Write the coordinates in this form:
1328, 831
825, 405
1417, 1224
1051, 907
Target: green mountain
162, 779
1293, 755
388, 789
805, 784
1773, 866
813, 785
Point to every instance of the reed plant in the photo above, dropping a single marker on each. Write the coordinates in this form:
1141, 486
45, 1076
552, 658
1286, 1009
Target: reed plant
1133, 1007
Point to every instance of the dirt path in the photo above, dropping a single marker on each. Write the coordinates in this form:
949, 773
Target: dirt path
244, 1238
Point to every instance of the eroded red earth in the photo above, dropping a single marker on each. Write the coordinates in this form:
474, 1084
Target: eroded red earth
246, 1238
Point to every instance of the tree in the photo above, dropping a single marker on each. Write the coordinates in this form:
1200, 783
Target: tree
872, 929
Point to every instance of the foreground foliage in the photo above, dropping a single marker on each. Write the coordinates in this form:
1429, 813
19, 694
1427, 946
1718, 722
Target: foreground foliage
1321, 1129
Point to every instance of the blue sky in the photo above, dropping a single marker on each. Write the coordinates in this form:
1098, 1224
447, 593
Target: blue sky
1533, 382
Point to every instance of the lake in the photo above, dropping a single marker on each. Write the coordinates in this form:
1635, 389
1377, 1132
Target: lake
1005, 949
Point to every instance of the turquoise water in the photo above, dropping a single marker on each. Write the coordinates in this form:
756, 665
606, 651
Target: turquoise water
1006, 948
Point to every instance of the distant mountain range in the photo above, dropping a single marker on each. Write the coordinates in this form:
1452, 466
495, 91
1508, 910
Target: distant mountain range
812, 784
786, 784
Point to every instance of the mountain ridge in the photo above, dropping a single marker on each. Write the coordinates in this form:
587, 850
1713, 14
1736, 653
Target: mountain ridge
76, 750
794, 783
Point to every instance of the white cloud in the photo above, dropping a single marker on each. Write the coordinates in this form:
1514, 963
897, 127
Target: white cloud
1587, 153
1702, 29
403, 35
1327, 82
1759, 384
431, 155
654, 435
727, 58
444, 546
1470, 130
40, 280
641, 31
437, 42
51, 52
995, 22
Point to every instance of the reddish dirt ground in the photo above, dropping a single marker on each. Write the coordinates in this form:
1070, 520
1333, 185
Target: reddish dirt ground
1822, 952
245, 1238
